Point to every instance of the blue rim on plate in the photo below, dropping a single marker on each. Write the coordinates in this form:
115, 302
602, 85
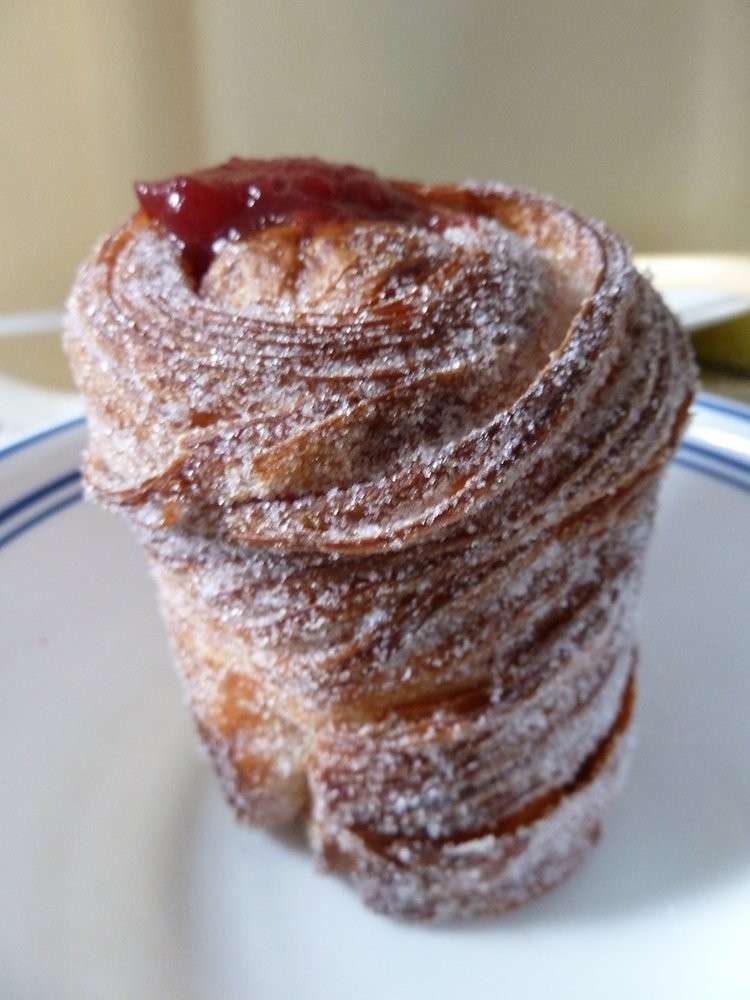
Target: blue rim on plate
732, 471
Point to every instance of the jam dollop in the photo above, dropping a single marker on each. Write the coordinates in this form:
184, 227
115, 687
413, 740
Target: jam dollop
208, 207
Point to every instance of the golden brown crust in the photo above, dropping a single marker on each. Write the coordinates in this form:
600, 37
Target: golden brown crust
493, 869
396, 483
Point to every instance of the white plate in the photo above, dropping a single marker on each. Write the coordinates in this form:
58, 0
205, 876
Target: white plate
123, 875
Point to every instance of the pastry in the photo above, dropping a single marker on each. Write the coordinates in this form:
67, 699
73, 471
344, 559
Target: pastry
393, 451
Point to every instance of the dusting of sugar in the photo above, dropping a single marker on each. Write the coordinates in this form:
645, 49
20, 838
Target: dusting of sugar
396, 484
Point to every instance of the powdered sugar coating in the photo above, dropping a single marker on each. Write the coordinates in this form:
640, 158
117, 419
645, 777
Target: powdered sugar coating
396, 482
483, 874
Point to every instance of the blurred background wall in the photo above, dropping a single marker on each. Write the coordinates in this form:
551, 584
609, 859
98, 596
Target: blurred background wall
633, 111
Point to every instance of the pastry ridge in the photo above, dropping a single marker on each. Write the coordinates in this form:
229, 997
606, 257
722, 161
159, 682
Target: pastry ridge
396, 483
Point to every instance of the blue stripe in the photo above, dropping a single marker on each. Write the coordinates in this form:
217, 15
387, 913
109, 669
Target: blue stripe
41, 516
70, 477
739, 411
700, 449
679, 459
17, 506
742, 412
26, 442
713, 473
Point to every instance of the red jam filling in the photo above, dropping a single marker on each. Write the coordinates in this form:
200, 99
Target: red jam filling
227, 202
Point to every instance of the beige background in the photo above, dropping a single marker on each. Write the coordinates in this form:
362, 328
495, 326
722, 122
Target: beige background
634, 111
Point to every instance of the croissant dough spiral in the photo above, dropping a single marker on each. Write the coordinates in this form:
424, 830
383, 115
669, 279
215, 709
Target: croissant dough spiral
396, 483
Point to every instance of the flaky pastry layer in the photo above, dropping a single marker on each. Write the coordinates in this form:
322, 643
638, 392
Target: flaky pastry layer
396, 483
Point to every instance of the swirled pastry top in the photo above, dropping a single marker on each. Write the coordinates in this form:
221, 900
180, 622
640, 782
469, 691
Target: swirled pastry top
358, 384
